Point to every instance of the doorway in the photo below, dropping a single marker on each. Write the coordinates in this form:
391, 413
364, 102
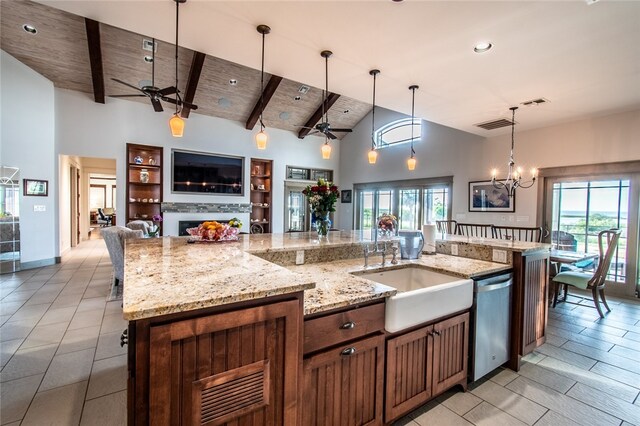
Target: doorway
9, 219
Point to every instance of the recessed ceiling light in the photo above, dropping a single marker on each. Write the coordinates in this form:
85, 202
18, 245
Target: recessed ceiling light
297, 98
148, 59
233, 82
482, 47
224, 103
30, 28
284, 116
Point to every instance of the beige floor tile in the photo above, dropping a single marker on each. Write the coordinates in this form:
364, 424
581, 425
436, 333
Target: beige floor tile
486, 414
109, 346
554, 419
60, 406
68, 368
567, 356
508, 401
16, 330
617, 408
109, 410
92, 304
65, 301
92, 292
441, 416
607, 357
571, 408
113, 307
107, 376
460, 402
18, 296
112, 323
15, 397
556, 340
7, 349
10, 308
546, 377
79, 339
53, 316
30, 312
45, 335
533, 357
504, 377
4, 318
28, 362
86, 319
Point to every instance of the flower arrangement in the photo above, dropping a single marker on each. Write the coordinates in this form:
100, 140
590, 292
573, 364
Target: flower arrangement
155, 228
235, 223
215, 231
387, 225
322, 199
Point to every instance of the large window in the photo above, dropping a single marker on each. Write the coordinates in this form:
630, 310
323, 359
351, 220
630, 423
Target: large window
413, 202
398, 132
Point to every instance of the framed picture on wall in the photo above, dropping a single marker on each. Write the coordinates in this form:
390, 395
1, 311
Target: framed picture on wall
345, 196
484, 197
38, 188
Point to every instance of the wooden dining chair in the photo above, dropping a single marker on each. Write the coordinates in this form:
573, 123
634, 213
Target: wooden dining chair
607, 243
446, 226
518, 233
474, 229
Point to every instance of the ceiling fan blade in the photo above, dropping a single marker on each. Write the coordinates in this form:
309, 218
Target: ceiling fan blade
181, 103
331, 135
342, 130
157, 106
128, 96
168, 91
127, 84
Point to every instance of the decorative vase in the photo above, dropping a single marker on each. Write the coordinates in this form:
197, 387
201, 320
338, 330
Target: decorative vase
144, 176
323, 224
387, 226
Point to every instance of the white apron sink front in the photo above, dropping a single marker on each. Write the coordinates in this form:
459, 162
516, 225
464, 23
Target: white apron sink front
423, 295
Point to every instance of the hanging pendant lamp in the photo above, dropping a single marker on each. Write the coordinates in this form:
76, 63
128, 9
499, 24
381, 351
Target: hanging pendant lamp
373, 154
514, 174
411, 161
326, 150
261, 136
176, 123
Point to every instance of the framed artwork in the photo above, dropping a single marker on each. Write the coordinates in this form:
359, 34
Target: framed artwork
345, 196
484, 197
39, 188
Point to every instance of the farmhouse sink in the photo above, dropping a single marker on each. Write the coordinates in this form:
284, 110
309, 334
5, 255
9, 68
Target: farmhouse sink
423, 295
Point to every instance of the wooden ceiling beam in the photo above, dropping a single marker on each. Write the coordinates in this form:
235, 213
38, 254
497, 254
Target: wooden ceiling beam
192, 83
267, 94
95, 58
313, 120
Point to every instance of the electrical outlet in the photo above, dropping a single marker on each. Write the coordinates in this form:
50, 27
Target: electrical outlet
39, 208
299, 257
454, 249
500, 256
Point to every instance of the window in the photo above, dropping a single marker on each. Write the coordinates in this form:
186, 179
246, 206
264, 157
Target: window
97, 197
413, 202
398, 132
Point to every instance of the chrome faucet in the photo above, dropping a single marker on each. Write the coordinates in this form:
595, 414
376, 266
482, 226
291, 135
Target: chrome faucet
379, 249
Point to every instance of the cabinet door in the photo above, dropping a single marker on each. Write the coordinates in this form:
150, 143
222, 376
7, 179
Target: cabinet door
344, 386
409, 374
450, 350
227, 367
535, 301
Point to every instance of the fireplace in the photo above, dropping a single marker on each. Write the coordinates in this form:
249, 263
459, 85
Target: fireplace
183, 225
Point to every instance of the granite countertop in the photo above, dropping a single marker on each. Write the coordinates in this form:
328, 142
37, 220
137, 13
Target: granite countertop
265, 243
168, 275
513, 245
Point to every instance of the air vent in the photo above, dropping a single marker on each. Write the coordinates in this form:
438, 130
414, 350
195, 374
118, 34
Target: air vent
495, 124
535, 102
303, 89
146, 44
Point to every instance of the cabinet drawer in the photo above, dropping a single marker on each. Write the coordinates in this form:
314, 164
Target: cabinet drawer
333, 329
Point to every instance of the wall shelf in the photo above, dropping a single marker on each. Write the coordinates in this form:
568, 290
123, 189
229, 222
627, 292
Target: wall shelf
261, 172
140, 190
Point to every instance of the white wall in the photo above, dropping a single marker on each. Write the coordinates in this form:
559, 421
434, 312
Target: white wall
443, 151
87, 129
597, 140
27, 141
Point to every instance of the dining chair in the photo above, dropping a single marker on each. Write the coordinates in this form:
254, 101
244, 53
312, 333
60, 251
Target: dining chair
114, 237
518, 233
607, 243
446, 226
140, 225
474, 229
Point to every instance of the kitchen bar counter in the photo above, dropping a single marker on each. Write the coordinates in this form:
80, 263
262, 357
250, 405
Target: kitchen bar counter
512, 245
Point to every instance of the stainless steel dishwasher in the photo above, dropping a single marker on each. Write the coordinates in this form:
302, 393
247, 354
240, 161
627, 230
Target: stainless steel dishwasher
492, 325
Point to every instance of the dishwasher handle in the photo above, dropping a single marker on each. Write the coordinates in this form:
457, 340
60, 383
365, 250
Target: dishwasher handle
495, 286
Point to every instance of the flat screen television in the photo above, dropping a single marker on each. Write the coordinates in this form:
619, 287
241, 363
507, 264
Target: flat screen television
196, 172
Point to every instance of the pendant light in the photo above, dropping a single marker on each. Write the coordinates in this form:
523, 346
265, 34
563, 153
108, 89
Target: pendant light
373, 154
411, 161
514, 175
176, 123
326, 149
261, 136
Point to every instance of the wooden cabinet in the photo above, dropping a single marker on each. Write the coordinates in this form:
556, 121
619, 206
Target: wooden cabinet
261, 196
144, 182
344, 374
237, 367
424, 363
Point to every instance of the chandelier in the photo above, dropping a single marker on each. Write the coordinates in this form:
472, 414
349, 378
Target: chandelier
514, 176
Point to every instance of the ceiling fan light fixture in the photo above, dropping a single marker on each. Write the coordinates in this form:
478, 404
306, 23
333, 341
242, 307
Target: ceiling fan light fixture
176, 124
482, 47
326, 151
261, 139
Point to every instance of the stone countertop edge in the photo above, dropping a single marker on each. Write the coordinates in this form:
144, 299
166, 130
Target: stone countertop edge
513, 245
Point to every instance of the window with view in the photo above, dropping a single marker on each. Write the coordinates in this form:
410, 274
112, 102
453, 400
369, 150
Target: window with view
398, 132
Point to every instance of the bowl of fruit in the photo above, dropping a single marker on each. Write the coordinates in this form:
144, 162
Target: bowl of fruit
213, 231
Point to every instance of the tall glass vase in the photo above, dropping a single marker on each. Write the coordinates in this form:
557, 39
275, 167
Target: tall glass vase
323, 224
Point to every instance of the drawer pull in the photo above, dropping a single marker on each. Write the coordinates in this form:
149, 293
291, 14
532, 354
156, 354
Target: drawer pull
348, 325
348, 351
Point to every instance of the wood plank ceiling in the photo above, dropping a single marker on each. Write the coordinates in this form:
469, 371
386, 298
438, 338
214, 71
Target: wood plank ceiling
59, 51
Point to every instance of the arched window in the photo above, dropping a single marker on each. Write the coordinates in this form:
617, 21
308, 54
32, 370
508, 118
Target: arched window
398, 132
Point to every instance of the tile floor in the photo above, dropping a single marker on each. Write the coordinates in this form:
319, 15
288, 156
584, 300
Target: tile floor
62, 363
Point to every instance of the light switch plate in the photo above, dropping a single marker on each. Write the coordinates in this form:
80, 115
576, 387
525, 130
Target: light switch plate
454, 249
299, 257
39, 208
499, 256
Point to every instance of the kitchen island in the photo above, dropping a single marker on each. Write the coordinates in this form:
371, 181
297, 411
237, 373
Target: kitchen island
209, 322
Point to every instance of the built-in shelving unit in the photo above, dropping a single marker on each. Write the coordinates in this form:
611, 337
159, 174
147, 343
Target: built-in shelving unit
260, 189
143, 160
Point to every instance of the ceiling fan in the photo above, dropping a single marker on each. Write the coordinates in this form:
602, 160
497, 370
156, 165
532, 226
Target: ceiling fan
154, 93
324, 127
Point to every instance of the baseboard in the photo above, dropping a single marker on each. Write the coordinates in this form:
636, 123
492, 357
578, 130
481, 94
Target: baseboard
39, 263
